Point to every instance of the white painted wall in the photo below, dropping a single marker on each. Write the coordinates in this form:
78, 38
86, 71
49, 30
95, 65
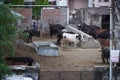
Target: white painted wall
90, 3
61, 2
98, 4
77, 4
29, 0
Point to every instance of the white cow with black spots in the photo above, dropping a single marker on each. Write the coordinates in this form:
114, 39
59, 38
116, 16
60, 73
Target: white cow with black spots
71, 38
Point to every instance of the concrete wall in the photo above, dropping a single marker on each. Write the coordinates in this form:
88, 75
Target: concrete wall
98, 4
89, 19
93, 19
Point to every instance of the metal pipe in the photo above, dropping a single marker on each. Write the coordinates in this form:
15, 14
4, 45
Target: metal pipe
114, 36
110, 74
37, 6
115, 72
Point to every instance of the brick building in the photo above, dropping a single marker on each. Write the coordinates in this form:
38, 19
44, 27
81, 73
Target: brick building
53, 15
27, 20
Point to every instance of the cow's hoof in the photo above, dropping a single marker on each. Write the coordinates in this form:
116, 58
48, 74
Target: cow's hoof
103, 62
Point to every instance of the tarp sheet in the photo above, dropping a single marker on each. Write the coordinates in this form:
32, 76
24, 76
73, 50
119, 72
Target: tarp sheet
45, 48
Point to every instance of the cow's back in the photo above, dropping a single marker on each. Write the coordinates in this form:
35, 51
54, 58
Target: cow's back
70, 37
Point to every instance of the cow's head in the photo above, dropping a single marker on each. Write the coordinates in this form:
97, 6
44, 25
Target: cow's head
78, 36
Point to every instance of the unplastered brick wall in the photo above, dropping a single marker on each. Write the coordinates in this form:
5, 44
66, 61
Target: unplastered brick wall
26, 21
48, 16
51, 14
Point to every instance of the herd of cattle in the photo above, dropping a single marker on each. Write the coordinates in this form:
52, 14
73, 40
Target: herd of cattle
65, 37
102, 35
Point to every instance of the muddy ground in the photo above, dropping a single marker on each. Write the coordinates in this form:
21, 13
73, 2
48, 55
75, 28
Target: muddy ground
69, 59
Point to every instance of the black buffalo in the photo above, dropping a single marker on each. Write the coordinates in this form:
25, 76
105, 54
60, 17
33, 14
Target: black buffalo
54, 28
27, 60
83, 27
89, 29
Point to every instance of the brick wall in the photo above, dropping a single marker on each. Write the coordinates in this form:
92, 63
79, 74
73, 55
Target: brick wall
53, 16
51, 13
27, 20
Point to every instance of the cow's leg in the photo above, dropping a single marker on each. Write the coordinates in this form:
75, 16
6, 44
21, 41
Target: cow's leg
30, 63
107, 59
103, 58
68, 43
27, 40
51, 33
62, 43
58, 41
65, 43
31, 39
79, 43
75, 45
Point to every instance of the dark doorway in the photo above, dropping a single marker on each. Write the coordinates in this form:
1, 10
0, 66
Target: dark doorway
105, 21
52, 3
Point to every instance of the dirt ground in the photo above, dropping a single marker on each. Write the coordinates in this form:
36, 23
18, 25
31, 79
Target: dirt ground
69, 59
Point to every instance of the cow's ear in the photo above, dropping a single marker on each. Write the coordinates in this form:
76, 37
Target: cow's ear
76, 36
79, 35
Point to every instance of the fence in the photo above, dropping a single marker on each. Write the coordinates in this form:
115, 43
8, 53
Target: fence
98, 74
66, 75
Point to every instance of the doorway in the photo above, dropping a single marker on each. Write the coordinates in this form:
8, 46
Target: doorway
105, 21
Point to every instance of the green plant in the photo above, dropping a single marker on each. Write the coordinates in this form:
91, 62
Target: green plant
17, 2
37, 10
7, 35
25, 35
45, 2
